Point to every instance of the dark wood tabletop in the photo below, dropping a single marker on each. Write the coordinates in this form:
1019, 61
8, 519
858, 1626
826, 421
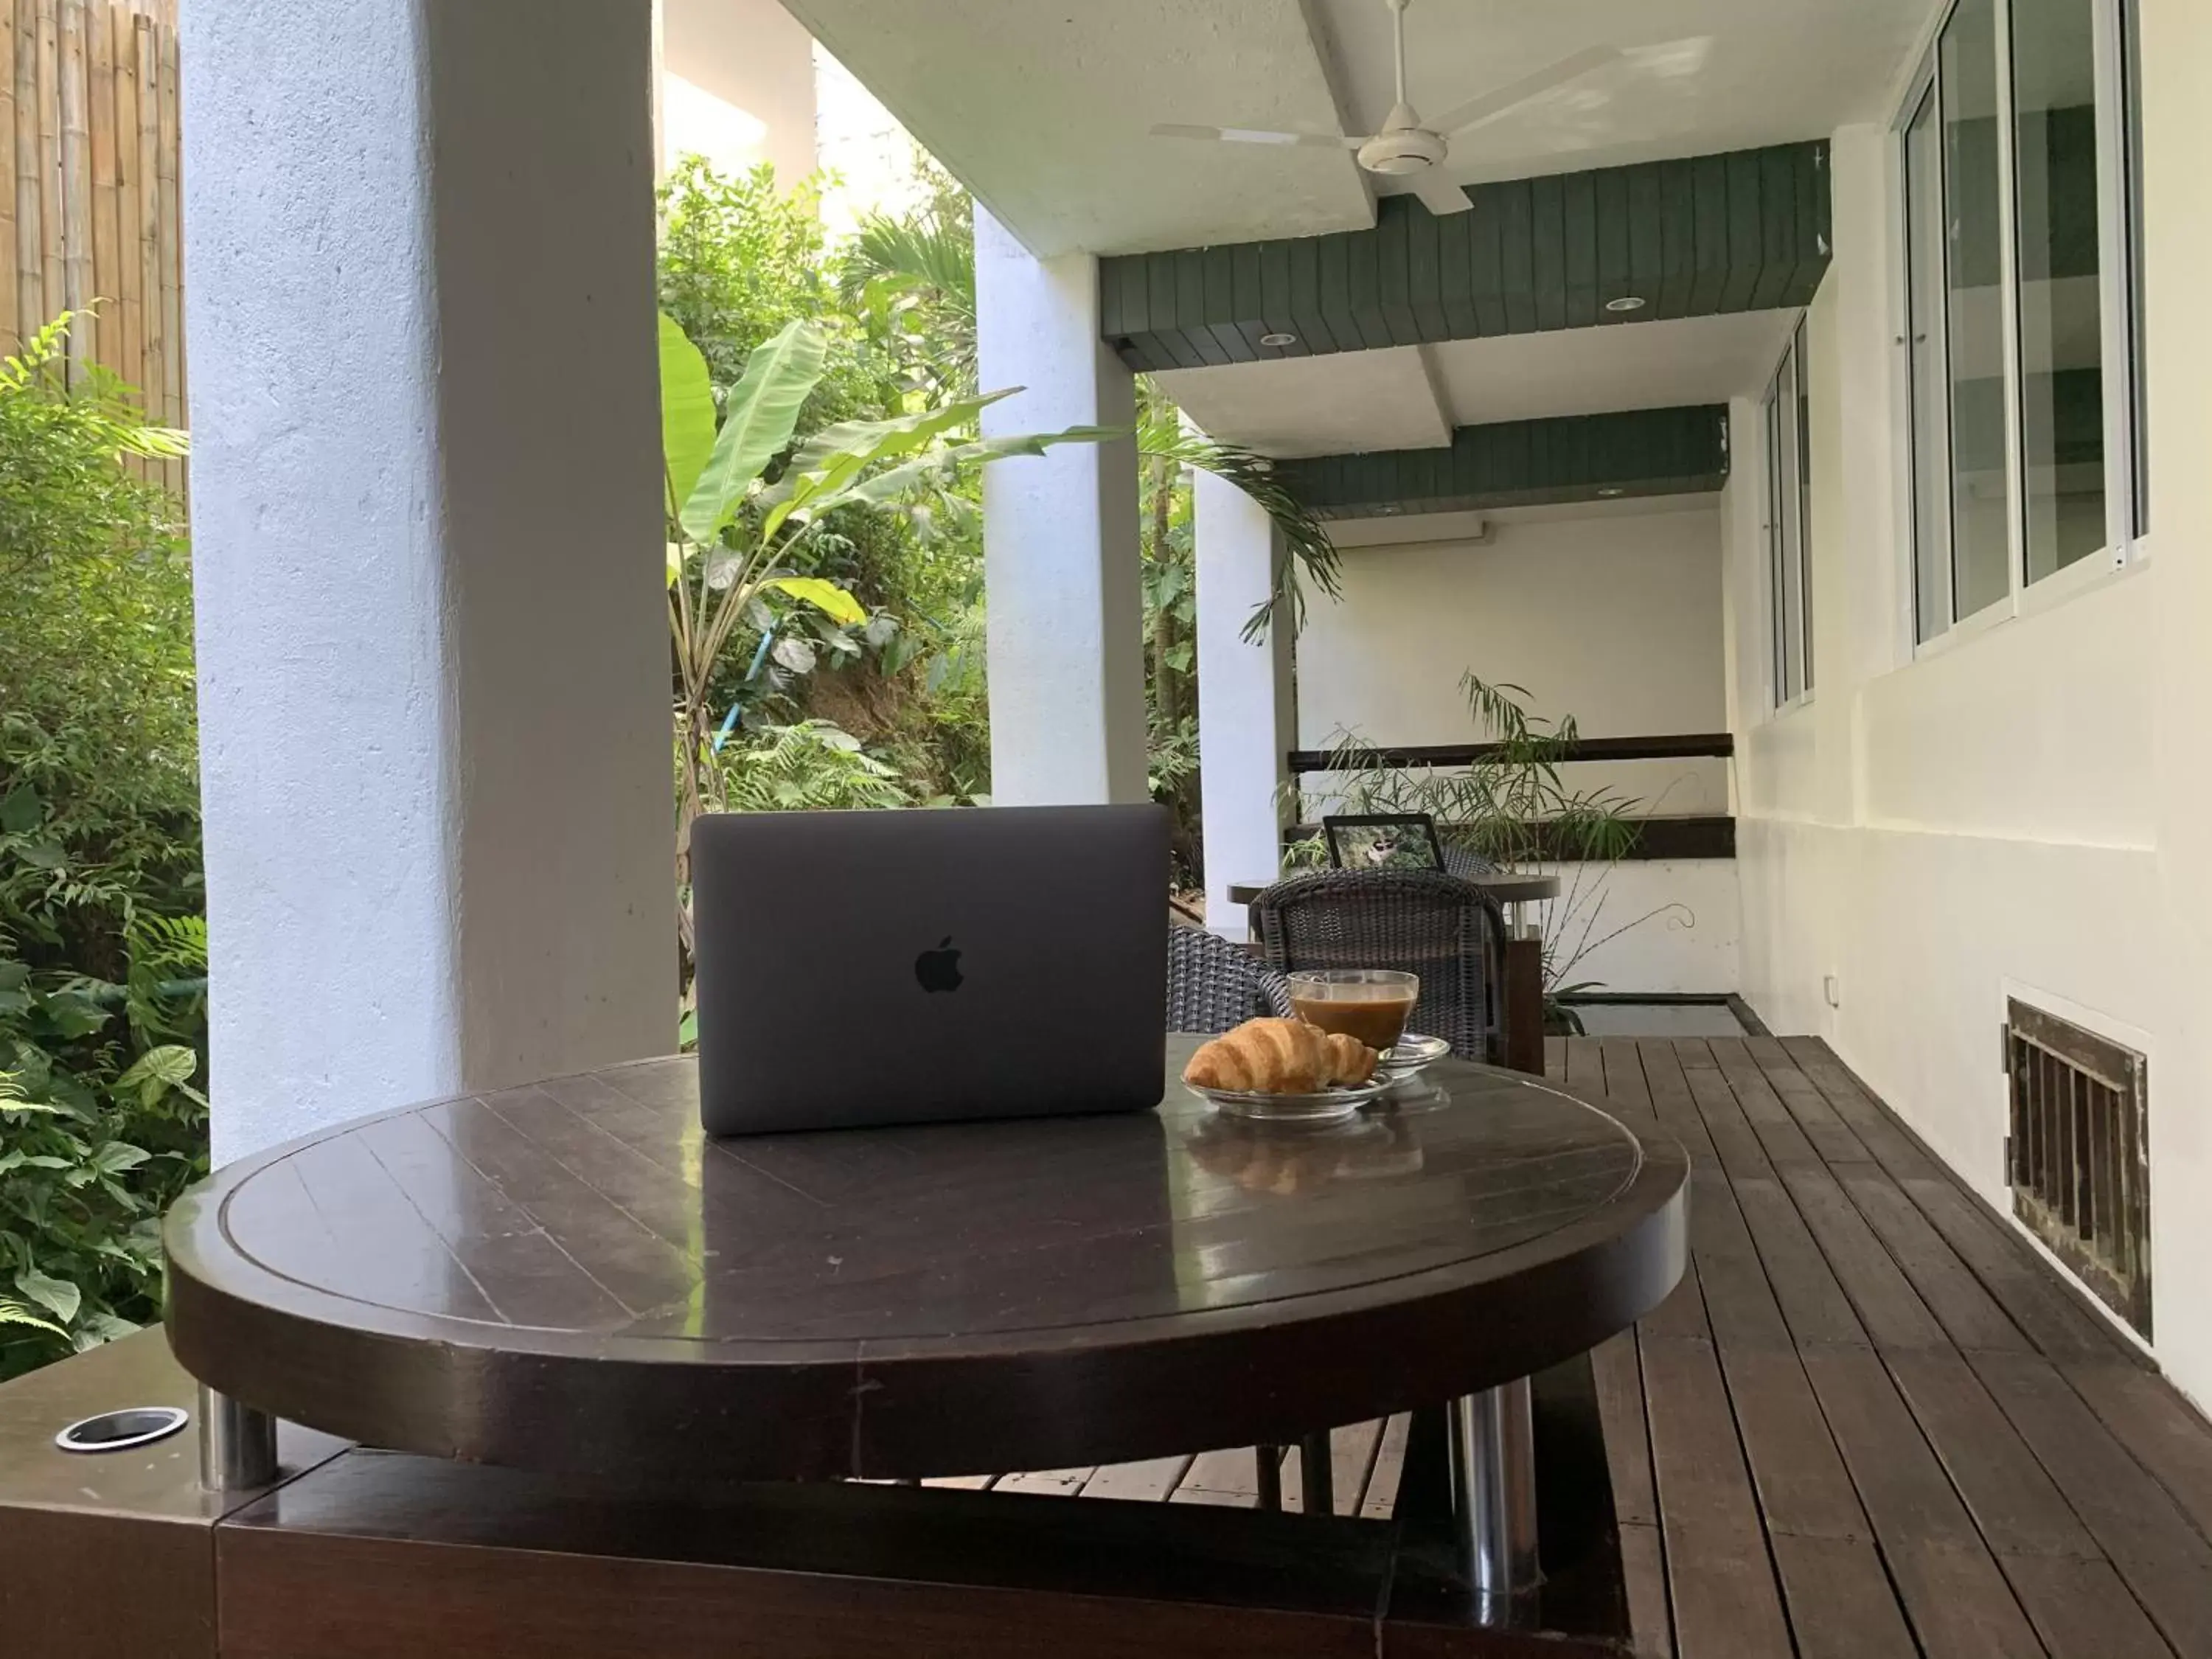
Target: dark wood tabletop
571, 1276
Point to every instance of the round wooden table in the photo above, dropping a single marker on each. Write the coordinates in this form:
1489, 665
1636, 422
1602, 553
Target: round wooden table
572, 1277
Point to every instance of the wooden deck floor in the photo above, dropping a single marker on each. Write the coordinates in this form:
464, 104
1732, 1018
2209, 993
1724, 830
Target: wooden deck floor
1871, 1425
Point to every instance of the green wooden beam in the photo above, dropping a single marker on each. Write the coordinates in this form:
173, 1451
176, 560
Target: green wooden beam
1575, 458
1747, 231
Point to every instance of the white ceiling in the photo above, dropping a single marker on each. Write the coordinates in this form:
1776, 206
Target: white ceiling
1043, 108
1596, 371
1697, 76
1355, 401
1330, 405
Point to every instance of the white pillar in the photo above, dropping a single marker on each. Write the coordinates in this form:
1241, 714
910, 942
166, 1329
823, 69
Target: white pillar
1246, 713
1061, 551
433, 656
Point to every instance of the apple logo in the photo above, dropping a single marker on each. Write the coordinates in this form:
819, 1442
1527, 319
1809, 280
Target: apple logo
938, 969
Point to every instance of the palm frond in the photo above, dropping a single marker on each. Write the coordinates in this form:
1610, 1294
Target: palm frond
1308, 555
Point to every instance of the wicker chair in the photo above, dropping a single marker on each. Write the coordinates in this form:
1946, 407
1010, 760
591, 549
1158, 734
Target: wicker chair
1216, 986
1466, 861
1447, 931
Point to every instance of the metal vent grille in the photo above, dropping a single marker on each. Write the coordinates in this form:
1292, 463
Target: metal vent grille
2079, 1154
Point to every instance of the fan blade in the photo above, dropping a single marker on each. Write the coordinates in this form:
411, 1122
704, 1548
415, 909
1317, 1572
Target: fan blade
1255, 135
1495, 102
1439, 194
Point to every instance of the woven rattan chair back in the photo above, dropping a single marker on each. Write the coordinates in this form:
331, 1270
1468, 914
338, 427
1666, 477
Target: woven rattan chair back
1214, 985
1446, 929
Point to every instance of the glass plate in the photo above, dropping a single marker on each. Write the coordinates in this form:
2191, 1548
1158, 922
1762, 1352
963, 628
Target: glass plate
1412, 1053
1325, 1106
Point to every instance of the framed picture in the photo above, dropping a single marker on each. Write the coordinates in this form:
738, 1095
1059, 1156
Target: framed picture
1387, 841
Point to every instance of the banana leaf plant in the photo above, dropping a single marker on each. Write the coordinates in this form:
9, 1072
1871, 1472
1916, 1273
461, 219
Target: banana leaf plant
734, 536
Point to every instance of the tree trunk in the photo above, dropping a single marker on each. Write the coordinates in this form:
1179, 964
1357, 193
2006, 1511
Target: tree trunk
1167, 696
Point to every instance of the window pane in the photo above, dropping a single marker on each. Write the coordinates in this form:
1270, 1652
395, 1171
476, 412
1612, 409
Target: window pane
1804, 503
1778, 627
1980, 475
2061, 323
1932, 467
1791, 543
2139, 367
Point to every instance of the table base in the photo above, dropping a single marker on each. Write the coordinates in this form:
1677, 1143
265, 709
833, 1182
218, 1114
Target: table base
1492, 1449
238, 1444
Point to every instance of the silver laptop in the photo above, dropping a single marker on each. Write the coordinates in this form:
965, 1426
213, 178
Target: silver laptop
903, 967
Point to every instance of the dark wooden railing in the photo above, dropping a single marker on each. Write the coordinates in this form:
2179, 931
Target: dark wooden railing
1669, 746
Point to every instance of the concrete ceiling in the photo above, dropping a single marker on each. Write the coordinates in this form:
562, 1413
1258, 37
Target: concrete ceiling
1596, 371
1044, 107
1333, 406
1697, 76
1357, 401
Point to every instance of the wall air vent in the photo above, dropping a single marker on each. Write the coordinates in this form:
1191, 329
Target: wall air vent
2079, 1154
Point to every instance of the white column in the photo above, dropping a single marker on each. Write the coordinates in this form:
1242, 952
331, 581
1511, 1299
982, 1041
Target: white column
433, 656
1061, 551
1246, 713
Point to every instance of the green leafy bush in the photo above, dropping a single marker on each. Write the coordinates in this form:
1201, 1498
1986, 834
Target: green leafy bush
102, 949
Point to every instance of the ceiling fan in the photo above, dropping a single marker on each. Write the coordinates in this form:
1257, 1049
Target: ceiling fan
1409, 148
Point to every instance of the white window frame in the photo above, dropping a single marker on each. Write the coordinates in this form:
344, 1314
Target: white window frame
1778, 497
2128, 540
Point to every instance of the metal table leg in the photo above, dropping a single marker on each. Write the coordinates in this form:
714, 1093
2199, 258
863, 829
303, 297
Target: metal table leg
238, 1444
1316, 1475
1268, 1471
1493, 1470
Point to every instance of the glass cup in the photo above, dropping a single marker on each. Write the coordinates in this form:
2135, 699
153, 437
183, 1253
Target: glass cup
1371, 1003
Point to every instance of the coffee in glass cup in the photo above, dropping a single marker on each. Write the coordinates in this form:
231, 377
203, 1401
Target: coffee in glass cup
1371, 1004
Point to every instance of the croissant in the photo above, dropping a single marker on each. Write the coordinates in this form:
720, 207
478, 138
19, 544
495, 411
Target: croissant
1351, 1060
1279, 1056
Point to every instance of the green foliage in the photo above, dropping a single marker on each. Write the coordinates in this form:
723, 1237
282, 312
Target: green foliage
739, 263
1513, 808
1510, 807
810, 766
102, 951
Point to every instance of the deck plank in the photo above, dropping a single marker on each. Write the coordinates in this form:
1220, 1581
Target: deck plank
1888, 1305
1954, 1592
1380, 1498
2082, 1611
2162, 1558
1619, 1375
1149, 1482
1643, 1567
1720, 1578
1970, 1316
2159, 1426
1841, 1605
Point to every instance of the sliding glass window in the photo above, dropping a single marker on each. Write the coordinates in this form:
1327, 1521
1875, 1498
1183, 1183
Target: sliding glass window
2020, 302
2061, 353
1789, 524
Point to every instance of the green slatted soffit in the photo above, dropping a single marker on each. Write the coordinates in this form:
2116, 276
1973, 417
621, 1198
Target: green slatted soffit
1575, 458
1746, 231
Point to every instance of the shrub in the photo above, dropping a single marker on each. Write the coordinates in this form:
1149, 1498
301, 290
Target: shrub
102, 950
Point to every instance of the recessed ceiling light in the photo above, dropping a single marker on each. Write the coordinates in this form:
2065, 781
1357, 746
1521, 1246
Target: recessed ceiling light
1625, 303
1278, 338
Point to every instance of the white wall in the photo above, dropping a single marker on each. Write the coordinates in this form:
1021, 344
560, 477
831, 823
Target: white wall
1612, 614
1990, 819
738, 86
1613, 617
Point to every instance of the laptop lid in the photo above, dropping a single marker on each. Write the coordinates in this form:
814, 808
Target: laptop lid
901, 967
